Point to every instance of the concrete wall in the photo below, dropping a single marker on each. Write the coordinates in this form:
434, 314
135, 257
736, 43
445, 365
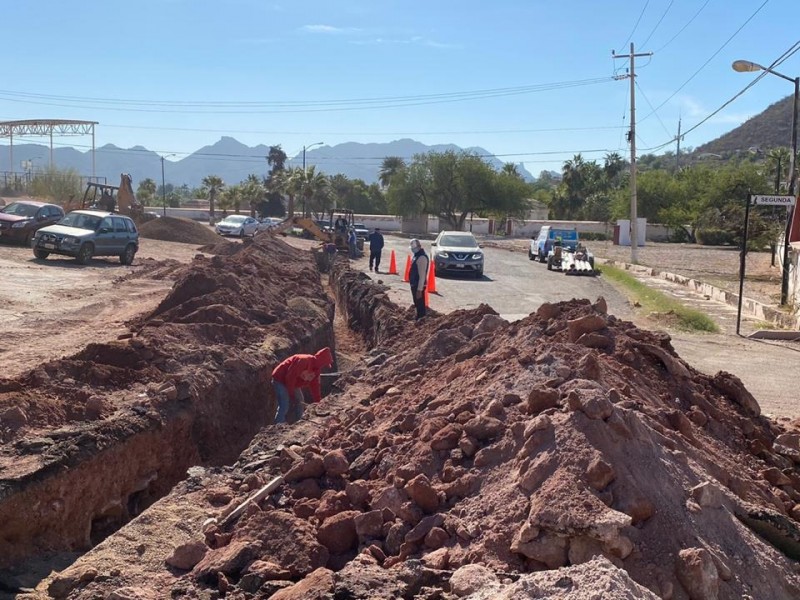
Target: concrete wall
390, 223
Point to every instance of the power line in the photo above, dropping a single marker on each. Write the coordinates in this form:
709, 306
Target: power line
703, 66
641, 14
376, 133
332, 106
681, 30
646, 99
664, 14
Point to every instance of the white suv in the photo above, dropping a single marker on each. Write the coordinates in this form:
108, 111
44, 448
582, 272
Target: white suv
457, 252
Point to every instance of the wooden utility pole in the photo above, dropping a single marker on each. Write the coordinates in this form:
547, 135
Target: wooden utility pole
632, 139
678, 151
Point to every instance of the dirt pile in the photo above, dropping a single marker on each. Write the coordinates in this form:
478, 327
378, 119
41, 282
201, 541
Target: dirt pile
89, 441
174, 229
567, 454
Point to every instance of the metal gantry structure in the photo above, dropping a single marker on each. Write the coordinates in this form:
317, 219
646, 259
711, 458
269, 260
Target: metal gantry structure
46, 128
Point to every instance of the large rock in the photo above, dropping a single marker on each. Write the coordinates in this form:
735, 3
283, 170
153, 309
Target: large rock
697, 573
421, 491
484, 427
186, 556
336, 463
470, 579
338, 533
587, 324
317, 585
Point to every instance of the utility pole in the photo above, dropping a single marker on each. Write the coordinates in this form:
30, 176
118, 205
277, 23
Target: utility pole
632, 139
678, 151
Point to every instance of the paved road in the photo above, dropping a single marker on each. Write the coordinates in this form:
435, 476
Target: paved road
515, 287
512, 285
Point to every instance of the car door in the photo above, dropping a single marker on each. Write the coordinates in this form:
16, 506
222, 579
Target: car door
120, 234
104, 238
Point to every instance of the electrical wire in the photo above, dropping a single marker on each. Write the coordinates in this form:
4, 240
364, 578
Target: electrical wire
664, 14
672, 39
646, 99
703, 66
786, 55
304, 107
641, 14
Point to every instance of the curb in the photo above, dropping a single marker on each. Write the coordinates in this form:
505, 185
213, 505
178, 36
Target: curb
750, 307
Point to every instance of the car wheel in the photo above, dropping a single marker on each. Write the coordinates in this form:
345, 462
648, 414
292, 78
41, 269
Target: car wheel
241, 232
40, 254
84, 254
479, 274
28, 238
530, 255
126, 258
549, 265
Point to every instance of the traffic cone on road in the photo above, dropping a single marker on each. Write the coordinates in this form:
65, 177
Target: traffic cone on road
392, 264
431, 279
427, 299
407, 273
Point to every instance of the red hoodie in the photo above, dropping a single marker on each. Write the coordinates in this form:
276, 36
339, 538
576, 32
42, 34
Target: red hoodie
302, 370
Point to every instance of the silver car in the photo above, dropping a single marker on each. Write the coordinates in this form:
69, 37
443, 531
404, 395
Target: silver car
84, 234
457, 252
238, 225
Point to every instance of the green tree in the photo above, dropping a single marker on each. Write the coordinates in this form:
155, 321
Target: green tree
276, 159
452, 185
212, 186
251, 192
146, 191
60, 186
314, 190
390, 166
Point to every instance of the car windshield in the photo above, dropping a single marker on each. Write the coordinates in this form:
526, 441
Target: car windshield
81, 221
458, 241
566, 235
20, 209
236, 219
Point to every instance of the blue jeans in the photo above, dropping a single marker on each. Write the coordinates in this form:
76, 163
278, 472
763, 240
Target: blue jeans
294, 410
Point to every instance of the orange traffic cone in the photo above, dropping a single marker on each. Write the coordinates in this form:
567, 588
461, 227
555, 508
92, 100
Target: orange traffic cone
432, 279
427, 299
407, 273
392, 264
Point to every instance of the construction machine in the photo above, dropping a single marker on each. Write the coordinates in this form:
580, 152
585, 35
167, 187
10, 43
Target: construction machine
111, 198
333, 231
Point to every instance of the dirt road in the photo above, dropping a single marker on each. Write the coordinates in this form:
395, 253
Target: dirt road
52, 308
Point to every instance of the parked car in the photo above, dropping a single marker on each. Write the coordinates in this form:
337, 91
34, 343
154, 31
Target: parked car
267, 223
238, 225
87, 233
361, 231
457, 252
542, 244
22, 218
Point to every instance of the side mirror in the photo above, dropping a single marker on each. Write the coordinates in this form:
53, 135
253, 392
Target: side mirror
480, 245
433, 243
104, 230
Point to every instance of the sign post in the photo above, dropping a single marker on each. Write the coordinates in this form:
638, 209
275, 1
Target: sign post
756, 200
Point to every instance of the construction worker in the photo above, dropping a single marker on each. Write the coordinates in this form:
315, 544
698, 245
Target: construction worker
291, 376
418, 276
375, 247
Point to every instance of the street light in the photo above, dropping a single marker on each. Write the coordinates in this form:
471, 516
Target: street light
304, 170
164, 185
745, 66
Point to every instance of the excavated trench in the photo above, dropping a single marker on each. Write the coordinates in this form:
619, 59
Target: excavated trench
107, 432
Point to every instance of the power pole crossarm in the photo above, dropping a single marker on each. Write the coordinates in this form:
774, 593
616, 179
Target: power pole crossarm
632, 138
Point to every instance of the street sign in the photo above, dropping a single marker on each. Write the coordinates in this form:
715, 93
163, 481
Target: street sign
763, 200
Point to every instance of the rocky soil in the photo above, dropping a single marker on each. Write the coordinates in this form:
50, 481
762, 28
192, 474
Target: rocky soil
567, 455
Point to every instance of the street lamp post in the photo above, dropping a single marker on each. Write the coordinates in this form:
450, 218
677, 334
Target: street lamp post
745, 66
164, 185
304, 170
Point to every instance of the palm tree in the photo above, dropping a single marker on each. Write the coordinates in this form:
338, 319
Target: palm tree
314, 189
212, 185
389, 167
252, 191
287, 182
511, 169
778, 163
276, 159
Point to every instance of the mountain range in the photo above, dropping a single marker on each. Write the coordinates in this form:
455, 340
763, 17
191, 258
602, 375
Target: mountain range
228, 158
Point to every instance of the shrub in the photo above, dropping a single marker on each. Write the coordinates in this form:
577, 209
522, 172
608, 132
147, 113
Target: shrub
715, 237
594, 237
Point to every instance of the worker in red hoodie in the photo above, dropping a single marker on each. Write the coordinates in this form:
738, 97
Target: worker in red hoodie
293, 374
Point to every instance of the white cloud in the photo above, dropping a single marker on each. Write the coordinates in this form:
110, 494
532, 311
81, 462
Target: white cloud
415, 40
694, 110
329, 29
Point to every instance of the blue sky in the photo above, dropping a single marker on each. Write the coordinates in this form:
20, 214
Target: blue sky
176, 75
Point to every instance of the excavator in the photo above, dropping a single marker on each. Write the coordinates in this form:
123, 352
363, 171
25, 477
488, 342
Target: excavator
331, 234
112, 198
